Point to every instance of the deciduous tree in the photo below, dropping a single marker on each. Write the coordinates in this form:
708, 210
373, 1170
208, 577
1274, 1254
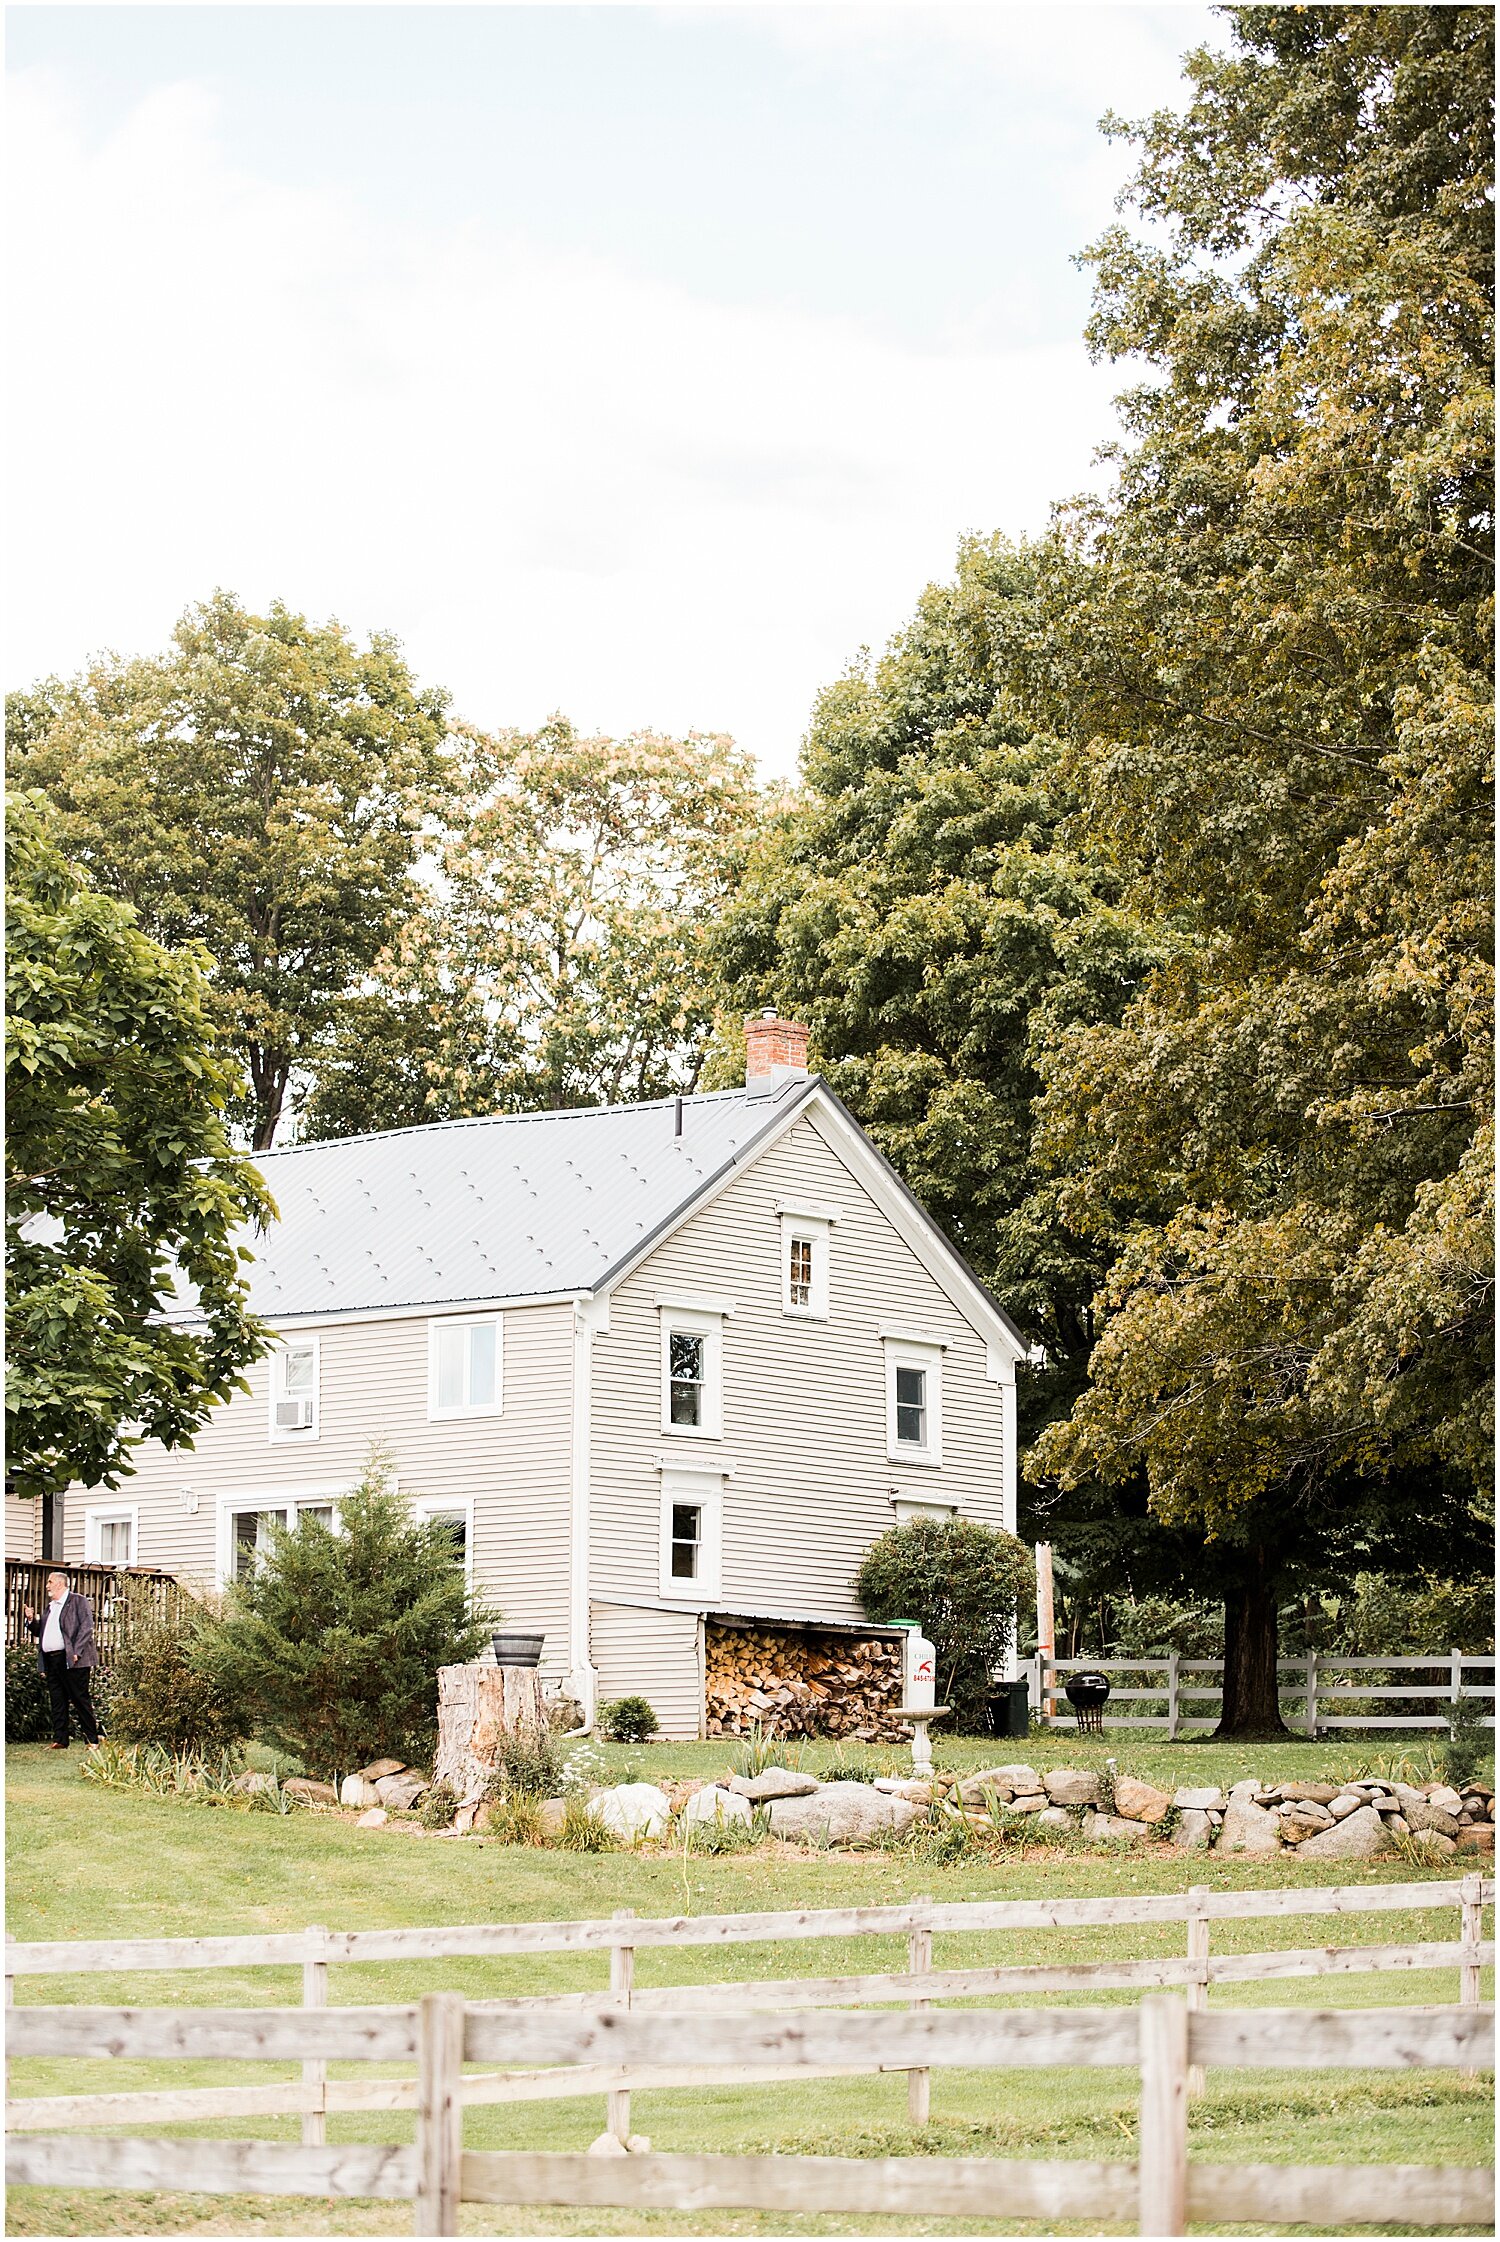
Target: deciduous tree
261, 788
123, 1193
1274, 671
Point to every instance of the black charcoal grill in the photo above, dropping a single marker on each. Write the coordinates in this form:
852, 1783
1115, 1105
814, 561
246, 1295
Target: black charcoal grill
1088, 1695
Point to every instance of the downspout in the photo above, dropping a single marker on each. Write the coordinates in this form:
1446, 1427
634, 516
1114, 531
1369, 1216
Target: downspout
583, 1681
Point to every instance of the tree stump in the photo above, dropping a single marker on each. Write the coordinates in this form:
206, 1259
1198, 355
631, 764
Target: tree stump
478, 1707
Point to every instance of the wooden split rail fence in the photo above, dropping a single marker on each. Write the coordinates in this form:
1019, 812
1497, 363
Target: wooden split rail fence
1317, 1692
1163, 2037
613, 2067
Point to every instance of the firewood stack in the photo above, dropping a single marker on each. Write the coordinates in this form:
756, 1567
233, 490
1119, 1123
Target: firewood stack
801, 1684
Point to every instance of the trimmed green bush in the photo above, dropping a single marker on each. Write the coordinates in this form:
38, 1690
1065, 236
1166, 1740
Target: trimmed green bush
163, 1691
962, 1582
28, 1718
627, 1720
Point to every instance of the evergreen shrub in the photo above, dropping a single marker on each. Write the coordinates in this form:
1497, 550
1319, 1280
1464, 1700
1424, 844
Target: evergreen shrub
330, 1648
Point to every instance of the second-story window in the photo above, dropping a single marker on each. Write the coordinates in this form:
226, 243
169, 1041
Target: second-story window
466, 1367
294, 1391
692, 1368
686, 1350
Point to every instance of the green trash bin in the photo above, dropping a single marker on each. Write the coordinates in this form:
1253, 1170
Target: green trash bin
1010, 1703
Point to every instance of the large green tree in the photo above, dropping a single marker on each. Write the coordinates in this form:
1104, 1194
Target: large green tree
1273, 667
123, 1194
263, 788
923, 906
565, 960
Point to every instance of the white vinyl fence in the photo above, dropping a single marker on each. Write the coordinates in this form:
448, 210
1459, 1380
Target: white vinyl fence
1318, 1694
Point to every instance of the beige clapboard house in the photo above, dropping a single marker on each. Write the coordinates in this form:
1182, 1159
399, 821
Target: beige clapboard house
652, 1363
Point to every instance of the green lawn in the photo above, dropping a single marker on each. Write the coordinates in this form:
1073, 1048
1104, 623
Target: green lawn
91, 1863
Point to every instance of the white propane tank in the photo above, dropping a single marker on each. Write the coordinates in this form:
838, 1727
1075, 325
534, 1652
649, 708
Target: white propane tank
920, 1680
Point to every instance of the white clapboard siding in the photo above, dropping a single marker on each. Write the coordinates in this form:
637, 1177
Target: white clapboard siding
22, 1528
640, 1650
804, 1403
515, 1468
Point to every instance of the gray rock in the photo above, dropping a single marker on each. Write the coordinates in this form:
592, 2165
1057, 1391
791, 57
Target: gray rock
1248, 1828
1479, 1839
1112, 1825
311, 1793
1204, 1798
1033, 1803
400, 1792
840, 1814
1312, 1794
1009, 1782
1397, 1824
712, 1804
376, 1818
905, 1786
1054, 1817
1360, 1836
1071, 1786
357, 1790
1194, 1831
1433, 1841
1299, 1822
1141, 1802
1347, 1802
552, 1813
633, 1810
773, 1782
379, 1767
1422, 1814
1442, 1796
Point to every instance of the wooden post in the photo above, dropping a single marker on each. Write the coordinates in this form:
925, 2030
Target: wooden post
919, 2082
1173, 1663
1163, 2121
440, 2114
1197, 1953
1471, 1931
314, 2069
1310, 1719
621, 1979
1046, 1626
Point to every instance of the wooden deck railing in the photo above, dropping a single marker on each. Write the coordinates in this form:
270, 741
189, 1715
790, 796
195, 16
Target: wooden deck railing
113, 1591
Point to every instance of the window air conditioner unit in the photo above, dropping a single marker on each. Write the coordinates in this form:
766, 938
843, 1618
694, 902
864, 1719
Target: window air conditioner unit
294, 1416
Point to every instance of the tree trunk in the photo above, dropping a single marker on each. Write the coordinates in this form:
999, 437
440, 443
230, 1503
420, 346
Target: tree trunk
1251, 1706
479, 1706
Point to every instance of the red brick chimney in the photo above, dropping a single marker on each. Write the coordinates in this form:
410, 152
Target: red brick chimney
775, 1052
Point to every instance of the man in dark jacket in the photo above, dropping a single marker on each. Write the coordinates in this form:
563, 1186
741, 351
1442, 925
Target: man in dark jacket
65, 1657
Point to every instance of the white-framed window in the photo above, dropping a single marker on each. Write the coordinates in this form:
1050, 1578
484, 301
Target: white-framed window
692, 1373
294, 1390
456, 1517
913, 1399
692, 1528
246, 1522
111, 1533
465, 1366
805, 1253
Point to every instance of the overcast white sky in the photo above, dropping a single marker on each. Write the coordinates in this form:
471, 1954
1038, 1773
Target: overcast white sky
638, 362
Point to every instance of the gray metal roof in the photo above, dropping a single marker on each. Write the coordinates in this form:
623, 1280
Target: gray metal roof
509, 1207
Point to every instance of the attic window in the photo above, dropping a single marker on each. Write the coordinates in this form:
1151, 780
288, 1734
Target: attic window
806, 1232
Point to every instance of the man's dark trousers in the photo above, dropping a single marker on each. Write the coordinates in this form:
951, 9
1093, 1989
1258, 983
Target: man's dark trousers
68, 1685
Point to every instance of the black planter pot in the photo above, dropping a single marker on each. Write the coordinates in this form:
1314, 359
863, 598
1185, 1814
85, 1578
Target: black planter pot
518, 1650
